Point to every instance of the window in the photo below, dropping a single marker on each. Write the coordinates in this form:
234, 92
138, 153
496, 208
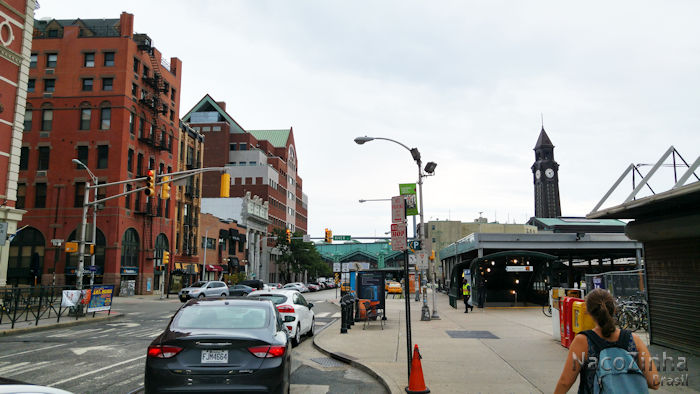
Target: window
142, 123
24, 158
134, 90
44, 155
102, 156
46, 119
82, 156
89, 60
51, 60
79, 194
127, 200
28, 114
131, 123
252, 163
145, 72
30, 85
49, 85
108, 84
139, 164
231, 147
216, 128
109, 59
21, 195
32, 60
105, 118
172, 115
244, 146
87, 84
172, 94
40, 195
85, 117
136, 65
53, 33
130, 161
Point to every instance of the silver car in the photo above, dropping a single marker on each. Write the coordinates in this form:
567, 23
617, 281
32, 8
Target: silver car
203, 289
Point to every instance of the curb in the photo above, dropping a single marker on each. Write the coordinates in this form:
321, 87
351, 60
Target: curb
24, 330
354, 363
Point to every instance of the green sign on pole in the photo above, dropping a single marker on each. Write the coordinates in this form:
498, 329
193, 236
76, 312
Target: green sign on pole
408, 190
341, 237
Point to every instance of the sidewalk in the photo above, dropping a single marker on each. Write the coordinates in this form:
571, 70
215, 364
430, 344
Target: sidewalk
523, 358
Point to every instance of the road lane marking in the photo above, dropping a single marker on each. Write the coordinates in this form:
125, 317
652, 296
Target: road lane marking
323, 314
34, 350
30, 369
10, 367
96, 371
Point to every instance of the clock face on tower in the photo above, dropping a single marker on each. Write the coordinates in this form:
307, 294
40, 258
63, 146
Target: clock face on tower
538, 174
549, 172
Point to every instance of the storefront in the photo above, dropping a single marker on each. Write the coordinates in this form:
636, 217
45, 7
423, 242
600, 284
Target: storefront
127, 285
213, 272
182, 275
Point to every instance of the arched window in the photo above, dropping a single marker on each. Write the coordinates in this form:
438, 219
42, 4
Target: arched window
130, 248
100, 243
26, 262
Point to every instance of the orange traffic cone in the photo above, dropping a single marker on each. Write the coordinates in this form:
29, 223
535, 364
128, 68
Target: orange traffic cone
416, 384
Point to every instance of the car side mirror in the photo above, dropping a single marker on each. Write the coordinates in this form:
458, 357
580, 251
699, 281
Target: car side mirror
288, 319
311, 305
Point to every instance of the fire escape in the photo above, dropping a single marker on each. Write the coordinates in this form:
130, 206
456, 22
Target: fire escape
151, 100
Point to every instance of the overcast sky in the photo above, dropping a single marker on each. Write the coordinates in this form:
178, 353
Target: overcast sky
464, 81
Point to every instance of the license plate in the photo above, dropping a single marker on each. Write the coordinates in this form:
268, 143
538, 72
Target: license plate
214, 356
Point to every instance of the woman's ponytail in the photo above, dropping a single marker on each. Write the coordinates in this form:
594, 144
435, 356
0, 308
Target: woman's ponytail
601, 305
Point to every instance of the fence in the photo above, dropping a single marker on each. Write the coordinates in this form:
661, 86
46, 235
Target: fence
622, 284
31, 304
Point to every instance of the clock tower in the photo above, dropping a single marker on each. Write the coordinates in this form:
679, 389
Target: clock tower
545, 173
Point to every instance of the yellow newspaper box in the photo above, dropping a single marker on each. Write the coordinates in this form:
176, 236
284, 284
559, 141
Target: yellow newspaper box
580, 319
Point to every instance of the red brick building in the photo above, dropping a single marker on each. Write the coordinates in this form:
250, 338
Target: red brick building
262, 162
104, 95
224, 248
16, 20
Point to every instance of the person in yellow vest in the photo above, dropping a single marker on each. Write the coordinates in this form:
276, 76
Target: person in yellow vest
466, 293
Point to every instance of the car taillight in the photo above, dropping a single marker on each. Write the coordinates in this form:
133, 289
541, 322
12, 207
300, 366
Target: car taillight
289, 328
160, 351
285, 309
267, 351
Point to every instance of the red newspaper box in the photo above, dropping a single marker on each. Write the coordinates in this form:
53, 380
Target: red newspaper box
567, 335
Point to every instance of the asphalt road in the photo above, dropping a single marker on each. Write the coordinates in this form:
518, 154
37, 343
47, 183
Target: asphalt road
109, 357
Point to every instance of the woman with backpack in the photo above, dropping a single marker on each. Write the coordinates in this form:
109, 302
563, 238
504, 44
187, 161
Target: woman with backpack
607, 358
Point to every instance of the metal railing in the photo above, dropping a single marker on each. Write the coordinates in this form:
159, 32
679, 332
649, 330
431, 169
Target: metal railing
31, 304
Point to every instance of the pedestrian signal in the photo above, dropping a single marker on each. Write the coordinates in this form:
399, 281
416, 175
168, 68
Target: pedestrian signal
165, 188
150, 183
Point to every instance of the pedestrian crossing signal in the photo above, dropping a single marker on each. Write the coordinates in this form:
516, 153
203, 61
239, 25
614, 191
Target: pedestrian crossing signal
150, 183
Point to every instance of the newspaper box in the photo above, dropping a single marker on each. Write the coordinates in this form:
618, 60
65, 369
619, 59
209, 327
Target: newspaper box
581, 320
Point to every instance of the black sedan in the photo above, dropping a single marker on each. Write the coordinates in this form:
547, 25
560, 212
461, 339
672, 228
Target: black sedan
224, 345
239, 290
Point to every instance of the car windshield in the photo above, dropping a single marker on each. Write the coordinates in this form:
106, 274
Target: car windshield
198, 284
221, 316
275, 298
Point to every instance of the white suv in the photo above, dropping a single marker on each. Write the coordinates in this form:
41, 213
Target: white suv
203, 289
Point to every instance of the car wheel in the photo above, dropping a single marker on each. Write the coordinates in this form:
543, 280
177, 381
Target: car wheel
297, 337
223, 294
311, 330
200, 296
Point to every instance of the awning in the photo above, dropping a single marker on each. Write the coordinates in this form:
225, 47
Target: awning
217, 268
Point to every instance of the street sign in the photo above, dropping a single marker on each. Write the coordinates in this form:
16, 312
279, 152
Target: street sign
56, 242
336, 267
307, 238
411, 259
415, 245
341, 237
408, 191
398, 236
345, 267
519, 268
398, 209
71, 247
92, 268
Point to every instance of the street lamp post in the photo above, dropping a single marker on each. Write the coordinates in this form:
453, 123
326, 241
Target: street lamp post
83, 225
429, 168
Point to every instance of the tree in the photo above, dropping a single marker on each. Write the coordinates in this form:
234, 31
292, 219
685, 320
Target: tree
298, 256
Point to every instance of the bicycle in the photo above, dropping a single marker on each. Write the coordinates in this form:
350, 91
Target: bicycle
547, 310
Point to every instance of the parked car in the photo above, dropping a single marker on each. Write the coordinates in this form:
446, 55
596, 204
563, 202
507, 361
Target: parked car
313, 287
203, 289
296, 312
254, 283
300, 287
239, 290
275, 285
388, 282
216, 345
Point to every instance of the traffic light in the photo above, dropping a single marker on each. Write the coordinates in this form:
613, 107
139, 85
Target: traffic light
165, 189
225, 185
432, 255
289, 236
150, 183
329, 236
166, 257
